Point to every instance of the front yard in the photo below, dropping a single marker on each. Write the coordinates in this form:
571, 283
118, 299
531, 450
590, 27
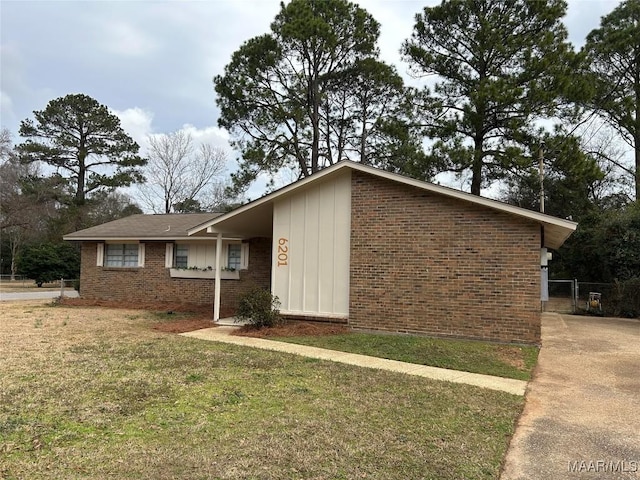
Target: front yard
510, 361
97, 393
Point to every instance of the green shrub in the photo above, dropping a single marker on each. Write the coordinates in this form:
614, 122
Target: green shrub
48, 262
260, 308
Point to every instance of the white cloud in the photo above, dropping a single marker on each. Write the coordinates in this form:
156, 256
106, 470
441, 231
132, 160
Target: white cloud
137, 123
213, 135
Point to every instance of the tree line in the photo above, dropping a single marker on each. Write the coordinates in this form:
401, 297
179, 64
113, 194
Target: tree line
505, 98
67, 174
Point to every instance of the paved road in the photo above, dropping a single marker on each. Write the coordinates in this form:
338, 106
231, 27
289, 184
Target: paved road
37, 294
582, 414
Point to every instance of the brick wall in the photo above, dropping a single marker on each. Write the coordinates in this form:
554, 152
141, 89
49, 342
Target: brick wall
152, 283
258, 275
423, 263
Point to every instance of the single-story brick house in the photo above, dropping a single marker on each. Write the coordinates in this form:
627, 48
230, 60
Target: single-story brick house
350, 244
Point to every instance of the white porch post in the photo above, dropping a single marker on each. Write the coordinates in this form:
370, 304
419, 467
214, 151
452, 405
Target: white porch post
216, 293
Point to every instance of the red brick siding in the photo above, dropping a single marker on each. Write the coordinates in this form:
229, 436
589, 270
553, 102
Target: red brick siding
152, 283
258, 275
423, 263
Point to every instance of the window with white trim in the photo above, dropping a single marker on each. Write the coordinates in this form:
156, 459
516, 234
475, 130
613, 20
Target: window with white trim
190, 255
121, 255
234, 255
181, 256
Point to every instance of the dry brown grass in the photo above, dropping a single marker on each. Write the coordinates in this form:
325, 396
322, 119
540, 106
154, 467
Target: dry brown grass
36, 330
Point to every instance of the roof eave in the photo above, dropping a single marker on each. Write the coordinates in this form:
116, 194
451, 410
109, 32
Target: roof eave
541, 218
138, 239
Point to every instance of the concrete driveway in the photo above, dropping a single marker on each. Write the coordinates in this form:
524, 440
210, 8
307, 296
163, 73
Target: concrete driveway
582, 414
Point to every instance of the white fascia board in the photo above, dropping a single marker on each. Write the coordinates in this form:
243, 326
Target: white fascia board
439, 189
467, 197
142, 239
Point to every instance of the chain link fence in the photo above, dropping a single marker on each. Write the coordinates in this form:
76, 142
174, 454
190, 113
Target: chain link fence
21, 281
15, 280
562, 296
620, 299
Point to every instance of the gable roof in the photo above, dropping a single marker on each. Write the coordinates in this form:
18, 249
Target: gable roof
255, 217
170, 226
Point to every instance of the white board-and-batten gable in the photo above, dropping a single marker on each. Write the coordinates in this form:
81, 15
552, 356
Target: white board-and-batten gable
311, 244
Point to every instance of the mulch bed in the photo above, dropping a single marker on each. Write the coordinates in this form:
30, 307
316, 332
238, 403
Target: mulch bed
290, 329
149, 306
184, 325
293, 329
202, 318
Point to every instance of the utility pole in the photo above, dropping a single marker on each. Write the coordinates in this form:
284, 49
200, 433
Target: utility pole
544, 268
541, 167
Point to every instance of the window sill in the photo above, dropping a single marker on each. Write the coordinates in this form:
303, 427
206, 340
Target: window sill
186, 273
121, 269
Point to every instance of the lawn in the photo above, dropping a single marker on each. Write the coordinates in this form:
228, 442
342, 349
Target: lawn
97, 393
510, 361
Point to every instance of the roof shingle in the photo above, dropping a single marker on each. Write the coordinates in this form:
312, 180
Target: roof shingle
143, 226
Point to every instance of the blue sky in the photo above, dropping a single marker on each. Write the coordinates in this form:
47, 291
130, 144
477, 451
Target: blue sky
152, 62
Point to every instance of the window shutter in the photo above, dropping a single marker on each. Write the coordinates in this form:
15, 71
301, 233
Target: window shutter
100, 255
168, 256
244, 257
141, 255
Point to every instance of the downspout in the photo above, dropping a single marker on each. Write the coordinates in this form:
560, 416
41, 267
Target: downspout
216, 293
544, 266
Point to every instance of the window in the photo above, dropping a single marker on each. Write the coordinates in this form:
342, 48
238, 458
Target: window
121, 255
181, 259
201, 255
234, 256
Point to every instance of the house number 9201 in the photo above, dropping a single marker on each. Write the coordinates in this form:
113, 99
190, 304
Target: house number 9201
283, 252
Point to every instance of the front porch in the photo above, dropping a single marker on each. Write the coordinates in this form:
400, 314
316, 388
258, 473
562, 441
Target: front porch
230, 322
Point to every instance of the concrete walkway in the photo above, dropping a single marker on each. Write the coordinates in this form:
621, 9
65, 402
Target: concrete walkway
223, 334
582, 414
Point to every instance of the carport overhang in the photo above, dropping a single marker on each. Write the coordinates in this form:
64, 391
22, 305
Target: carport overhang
256, 221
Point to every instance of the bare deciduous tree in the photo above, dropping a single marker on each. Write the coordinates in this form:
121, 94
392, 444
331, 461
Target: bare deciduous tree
178, 172
22, 214
601, 141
